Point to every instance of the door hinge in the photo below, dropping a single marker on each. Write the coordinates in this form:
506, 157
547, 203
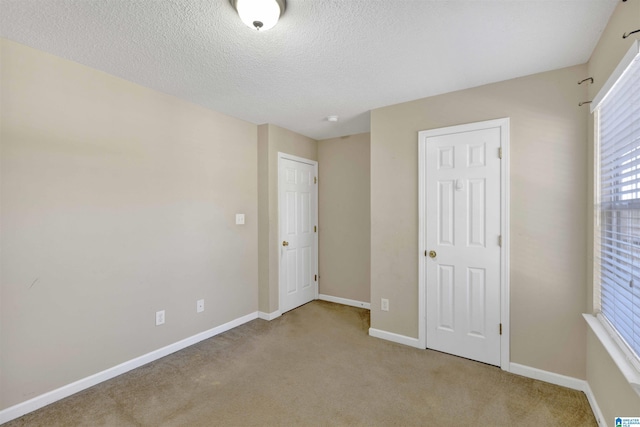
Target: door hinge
500, 328
500, 153
315, 228
500, 240
315, 179
315, 277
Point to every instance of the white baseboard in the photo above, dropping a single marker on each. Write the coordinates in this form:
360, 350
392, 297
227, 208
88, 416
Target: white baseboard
594, 406
390, 336
561, 380
546, 376
269, 316
38, 402
345, 301
45, 399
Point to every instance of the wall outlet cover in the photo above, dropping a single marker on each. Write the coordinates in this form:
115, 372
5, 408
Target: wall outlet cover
159, 317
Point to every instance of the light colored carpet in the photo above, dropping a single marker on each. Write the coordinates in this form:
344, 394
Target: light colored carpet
315, 366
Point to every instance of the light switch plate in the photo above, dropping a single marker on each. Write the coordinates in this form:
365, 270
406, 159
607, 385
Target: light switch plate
239, 219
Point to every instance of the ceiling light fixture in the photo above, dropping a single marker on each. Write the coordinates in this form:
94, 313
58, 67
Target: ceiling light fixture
332, 118
259, 14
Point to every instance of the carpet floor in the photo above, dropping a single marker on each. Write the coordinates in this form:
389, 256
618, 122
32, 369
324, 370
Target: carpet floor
315, 366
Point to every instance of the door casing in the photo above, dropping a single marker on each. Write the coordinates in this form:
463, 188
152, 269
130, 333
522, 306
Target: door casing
504, 125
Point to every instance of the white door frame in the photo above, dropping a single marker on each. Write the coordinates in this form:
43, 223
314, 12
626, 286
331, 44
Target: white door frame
503, 124
285, 156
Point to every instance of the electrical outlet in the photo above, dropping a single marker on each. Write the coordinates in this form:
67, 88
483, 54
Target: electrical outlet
200, 306
384, 304
159, 317
239, 219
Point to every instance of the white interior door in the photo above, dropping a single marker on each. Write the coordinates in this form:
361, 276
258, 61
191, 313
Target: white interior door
463, 243
298, 213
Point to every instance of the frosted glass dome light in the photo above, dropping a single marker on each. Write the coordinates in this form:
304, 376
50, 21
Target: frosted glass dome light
260, 15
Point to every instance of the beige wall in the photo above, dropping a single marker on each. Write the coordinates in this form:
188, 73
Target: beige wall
264, 302
548, 201
117, 201
272, 140
613, 393
345, 217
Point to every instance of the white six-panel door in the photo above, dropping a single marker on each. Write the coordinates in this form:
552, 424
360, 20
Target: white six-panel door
297, 228
463, 243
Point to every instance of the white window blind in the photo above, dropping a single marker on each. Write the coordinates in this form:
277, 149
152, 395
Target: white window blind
618, 207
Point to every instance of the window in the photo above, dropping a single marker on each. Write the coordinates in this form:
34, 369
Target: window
617, 231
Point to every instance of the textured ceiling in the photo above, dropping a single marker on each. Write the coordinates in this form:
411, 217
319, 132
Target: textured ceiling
324, 57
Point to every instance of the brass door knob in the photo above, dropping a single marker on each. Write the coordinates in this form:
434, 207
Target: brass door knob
285, 243
432, 254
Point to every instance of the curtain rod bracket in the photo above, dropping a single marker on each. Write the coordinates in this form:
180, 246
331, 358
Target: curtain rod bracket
625, 35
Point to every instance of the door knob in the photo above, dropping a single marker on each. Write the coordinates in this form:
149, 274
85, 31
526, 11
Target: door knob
432, 254
285, 243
